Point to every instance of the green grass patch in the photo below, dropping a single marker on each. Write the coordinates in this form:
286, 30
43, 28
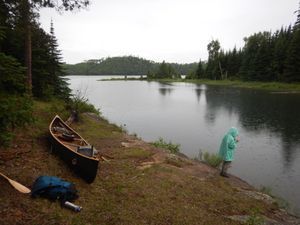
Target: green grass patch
161, 143
269, 86
44, 112
212, 159
125, 78
255, 218
94, 131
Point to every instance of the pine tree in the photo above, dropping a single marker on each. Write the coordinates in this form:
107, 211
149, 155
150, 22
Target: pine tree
163, 71
28, 16
297, 23
248, 67
47, 67
263, 58
292, 63
61, 88
200, 71
212, 69
282, 41
231, 62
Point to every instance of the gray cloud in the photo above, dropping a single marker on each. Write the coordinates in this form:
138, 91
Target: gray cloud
171, 30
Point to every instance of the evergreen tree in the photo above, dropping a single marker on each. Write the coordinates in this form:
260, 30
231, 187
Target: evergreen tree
282, 41
47, 71
297, 23
15, 106
150, 74
292, 63
28, 11
18, 25
162, 70
60, 84
199, 74
212, 69
248, 67
263, 58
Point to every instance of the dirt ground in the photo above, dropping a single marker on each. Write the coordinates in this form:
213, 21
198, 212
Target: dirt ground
136, 183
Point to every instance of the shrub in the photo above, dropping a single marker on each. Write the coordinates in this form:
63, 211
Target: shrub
12, 79
14, 112
173, 148
79, 104
15, 105
255, 218
212, 159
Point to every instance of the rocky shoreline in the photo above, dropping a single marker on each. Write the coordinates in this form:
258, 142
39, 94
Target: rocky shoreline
202, 171
136, 184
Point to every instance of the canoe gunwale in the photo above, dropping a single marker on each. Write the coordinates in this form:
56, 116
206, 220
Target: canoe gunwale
65, 145
84, 166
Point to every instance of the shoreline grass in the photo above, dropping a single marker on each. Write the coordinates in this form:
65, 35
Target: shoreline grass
268, 86
161, 143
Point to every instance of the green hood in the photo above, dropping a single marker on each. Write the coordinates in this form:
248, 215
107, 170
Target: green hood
233, 132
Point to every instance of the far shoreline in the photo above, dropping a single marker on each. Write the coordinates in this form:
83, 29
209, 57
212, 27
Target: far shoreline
274, 87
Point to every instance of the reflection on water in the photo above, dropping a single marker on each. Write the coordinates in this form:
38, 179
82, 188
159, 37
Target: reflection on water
197, 117
164, 91
165, 88
256, 110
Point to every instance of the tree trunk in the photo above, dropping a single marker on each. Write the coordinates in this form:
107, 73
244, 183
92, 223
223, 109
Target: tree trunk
28, 57
221, 71
26, 17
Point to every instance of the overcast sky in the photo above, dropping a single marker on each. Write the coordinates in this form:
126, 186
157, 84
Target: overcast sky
171, 30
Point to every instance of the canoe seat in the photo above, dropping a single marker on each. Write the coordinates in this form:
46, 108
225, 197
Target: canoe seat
60, 130
87, 150
68, 137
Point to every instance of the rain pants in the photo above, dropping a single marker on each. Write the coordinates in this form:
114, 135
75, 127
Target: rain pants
228, 145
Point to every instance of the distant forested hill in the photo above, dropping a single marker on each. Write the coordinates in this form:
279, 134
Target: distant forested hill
126, 65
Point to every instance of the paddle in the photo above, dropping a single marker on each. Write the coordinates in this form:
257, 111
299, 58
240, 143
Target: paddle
16, 185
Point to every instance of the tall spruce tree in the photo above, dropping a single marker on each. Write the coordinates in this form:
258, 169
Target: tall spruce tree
297, 23
233, 63
199, 74
212, 69
61, 88
248, 67
47, 70
28, 10
292, 70
263, 58
163, 70
282, 40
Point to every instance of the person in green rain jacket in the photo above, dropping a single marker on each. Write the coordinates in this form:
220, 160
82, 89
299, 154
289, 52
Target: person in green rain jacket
227, 149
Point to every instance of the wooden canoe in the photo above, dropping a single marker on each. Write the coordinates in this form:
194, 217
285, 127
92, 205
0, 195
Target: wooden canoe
68, 144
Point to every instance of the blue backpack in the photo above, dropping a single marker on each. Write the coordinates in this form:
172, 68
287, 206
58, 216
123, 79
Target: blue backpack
54, 188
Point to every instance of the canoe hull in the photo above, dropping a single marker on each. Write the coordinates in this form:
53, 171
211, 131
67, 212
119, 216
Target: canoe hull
85, 167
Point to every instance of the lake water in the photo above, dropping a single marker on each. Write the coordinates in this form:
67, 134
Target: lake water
198, 116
